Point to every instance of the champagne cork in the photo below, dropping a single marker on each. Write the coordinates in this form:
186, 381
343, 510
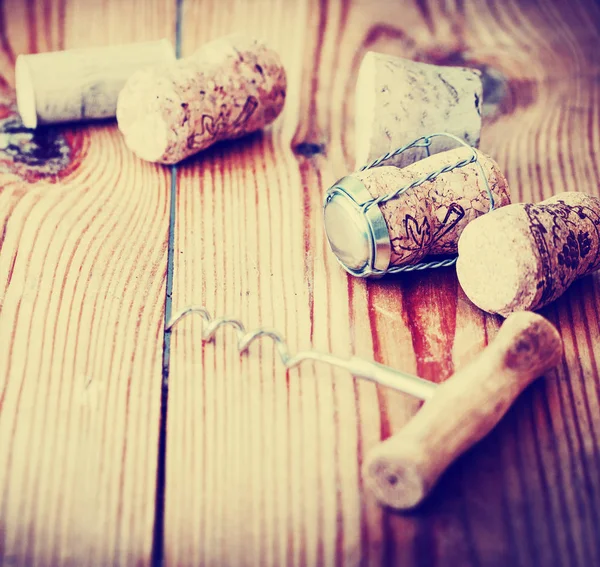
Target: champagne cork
80, 84
524, 256
229, 88
425, 220
398, 101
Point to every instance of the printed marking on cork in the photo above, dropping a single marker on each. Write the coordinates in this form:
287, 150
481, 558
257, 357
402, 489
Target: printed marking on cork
386, 219
525, 256
230, 87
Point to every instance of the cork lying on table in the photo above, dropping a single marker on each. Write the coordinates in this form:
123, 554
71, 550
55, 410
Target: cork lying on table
524, 256
427, 220
228, 88
80, 84
398, 101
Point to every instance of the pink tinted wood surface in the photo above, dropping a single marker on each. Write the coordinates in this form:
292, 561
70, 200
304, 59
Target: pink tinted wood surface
83, 235
260, 468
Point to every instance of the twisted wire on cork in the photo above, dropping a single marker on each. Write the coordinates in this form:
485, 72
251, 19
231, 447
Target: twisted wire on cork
424, 142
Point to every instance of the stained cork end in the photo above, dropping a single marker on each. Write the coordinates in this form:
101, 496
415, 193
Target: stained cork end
524, 256
494, 268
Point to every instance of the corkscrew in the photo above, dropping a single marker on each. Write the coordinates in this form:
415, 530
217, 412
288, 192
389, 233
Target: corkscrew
459, 412
358, 367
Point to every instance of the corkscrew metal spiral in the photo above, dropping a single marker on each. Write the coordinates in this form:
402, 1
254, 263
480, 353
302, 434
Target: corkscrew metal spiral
358, 367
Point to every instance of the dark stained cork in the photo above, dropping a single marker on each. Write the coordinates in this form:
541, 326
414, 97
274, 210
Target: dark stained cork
525, 256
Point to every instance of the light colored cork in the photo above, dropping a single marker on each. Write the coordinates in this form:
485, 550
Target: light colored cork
525, 256
398, 101
228, 88
80, 84
403, 469
427, 220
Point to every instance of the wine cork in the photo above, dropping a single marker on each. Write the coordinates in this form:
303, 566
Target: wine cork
228, 88
80, 84
398, 101
425, 220
524, 256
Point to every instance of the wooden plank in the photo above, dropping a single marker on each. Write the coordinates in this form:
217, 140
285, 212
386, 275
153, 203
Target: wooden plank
264, 469
82, 287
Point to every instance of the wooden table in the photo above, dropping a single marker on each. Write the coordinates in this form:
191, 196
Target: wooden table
120, 445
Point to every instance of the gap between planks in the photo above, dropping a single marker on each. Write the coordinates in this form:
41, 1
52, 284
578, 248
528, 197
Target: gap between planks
158, 539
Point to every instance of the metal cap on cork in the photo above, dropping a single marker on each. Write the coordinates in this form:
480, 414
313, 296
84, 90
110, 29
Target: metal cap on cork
358, 235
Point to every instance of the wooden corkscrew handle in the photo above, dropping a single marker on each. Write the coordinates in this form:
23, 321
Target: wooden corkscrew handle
403, 469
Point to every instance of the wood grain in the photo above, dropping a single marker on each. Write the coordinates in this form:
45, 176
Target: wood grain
82, 284
261, 468
264, 469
